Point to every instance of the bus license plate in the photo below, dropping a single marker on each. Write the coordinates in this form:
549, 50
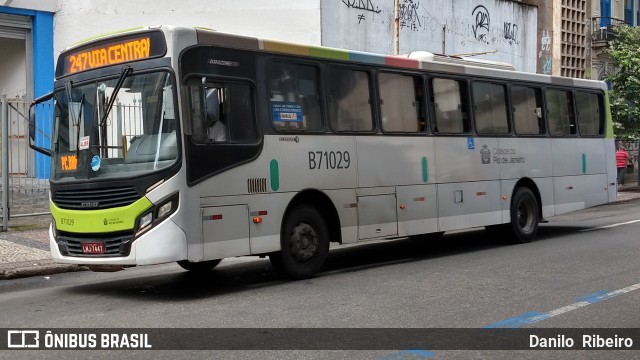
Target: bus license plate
92, 248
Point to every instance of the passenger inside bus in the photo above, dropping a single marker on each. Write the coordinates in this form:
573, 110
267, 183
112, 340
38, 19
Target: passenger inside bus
217, 129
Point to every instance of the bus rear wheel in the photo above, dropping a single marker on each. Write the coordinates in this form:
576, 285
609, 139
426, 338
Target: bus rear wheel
199, 267
525, 216
304, 243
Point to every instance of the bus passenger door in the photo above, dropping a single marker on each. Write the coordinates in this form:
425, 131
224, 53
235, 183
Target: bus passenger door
225, 231
377, 216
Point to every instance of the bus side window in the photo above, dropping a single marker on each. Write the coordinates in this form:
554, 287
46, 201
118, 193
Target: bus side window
350, 100
215, 115
239, 111
294, 97
400, 102
490, 108
450, 106
560, 112
527, 110
223, 113
590, 119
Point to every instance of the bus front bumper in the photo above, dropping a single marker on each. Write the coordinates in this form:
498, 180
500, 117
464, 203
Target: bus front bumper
164, 243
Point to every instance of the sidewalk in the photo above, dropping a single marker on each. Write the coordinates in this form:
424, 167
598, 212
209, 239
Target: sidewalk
24, 249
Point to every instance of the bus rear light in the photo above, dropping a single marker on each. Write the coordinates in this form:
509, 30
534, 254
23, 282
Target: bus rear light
403, 206
257, 219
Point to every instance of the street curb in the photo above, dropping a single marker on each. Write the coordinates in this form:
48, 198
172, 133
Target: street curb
45, 269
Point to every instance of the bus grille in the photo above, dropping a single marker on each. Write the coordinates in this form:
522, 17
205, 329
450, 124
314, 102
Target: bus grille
85, 199
113, 246
257, 185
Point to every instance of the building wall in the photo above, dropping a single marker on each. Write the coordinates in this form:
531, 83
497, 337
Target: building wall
13, 80
546, 38
296, 21
575, 38
498, 28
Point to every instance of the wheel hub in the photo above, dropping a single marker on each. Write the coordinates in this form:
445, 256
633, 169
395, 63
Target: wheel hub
304, 242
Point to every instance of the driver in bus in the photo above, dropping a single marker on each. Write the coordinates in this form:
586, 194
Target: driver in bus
215, 126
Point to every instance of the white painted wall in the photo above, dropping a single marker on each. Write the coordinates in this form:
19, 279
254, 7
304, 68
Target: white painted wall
13, 80
451, 26
295, 21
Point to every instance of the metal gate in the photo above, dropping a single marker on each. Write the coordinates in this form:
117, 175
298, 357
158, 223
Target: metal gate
22, 193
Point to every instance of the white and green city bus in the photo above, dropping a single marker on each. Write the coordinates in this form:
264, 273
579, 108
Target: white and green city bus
173, 144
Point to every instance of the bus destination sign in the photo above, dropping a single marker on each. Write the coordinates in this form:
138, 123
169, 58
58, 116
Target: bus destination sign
112, 52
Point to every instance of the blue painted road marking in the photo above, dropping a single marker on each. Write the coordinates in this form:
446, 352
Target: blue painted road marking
410, 355
533, 317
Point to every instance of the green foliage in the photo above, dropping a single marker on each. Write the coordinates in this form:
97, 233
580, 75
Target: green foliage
625, 83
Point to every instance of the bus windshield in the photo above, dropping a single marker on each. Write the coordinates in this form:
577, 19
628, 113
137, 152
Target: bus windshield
136, 135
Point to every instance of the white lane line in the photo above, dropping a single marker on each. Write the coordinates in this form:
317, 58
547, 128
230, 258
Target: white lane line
611, 226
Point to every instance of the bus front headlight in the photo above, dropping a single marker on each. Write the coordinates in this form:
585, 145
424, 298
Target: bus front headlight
146, 220
157, 214
164, 209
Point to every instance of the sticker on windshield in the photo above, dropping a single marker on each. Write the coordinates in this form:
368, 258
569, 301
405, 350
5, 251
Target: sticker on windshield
95, 163
69, 162
84, 143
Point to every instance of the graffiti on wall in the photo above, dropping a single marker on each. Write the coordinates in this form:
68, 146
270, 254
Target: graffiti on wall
545, 48
545, 42
481, 27
547, 66
511, 33
363, 5
409, 18
481, 23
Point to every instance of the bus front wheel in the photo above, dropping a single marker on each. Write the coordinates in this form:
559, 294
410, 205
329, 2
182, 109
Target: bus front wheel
304, 243
525, 215
199, 267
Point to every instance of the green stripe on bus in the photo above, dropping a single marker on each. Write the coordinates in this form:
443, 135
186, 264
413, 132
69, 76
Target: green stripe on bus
99, 221
425, 170
275, 175
584, 163
609, 128
329, 53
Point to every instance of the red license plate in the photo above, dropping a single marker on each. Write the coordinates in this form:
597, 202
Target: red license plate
92, 248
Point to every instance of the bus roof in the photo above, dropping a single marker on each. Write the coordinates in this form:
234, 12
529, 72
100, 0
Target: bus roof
414, 60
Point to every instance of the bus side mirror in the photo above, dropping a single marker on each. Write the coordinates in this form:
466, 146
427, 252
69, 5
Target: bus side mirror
32, 131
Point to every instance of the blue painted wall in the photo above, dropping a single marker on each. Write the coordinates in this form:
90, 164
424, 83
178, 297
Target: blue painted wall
43, 75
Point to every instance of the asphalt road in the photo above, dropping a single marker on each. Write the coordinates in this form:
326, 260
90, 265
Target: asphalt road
582, 272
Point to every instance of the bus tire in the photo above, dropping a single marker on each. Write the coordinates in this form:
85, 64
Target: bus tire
304, 243
199, 267
525, 216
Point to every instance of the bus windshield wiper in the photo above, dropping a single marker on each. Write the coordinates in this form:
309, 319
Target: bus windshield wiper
75, 120
125, 72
